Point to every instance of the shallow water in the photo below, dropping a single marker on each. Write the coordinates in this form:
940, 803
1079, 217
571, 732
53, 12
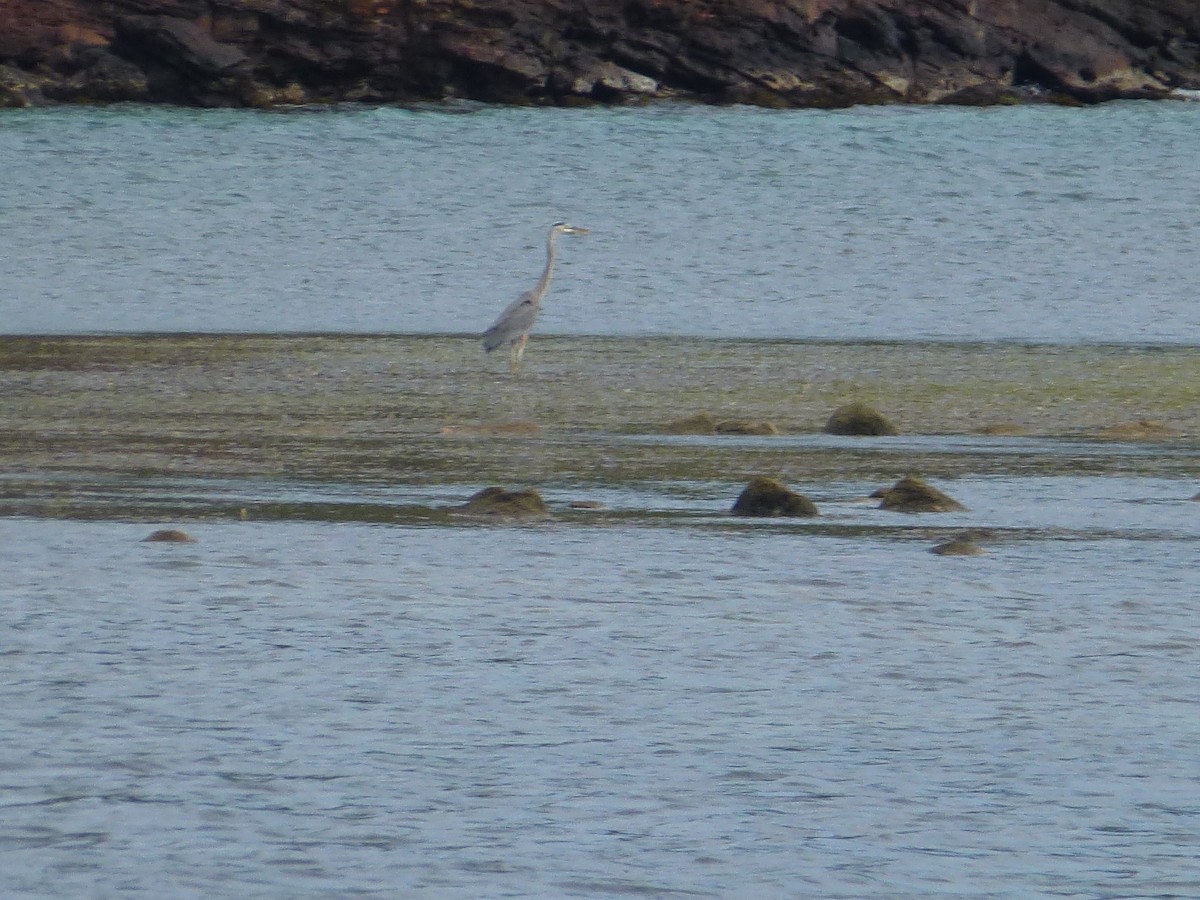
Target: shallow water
345, 688
650, 698
315, 710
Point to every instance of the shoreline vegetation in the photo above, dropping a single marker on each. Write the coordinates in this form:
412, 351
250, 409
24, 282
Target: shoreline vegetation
587, 412
831, 54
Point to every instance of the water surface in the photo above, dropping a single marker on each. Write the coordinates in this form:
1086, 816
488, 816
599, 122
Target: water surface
1026, 223
308, 710
344, 687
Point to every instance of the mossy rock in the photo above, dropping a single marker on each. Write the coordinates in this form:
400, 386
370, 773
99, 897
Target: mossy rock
169, 536
1141, 430
764, 496
858, 418
912, 494
745, 426
496, 501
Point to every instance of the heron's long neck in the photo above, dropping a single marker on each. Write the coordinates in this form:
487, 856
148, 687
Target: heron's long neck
544, 282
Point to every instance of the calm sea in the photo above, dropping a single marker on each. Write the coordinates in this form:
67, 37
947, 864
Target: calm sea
1027, 223
664, 703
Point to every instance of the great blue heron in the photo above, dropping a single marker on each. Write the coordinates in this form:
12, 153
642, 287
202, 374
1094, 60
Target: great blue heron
512, 326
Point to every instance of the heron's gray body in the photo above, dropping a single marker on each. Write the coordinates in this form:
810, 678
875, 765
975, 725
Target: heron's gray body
512, 326
518, 317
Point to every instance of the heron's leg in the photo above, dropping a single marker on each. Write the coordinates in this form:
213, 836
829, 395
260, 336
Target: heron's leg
518, 352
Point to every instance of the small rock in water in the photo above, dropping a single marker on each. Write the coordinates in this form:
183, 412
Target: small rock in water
767, 497
170, 536
961, 546
496, 501
1141, 430
858, 418
912, 494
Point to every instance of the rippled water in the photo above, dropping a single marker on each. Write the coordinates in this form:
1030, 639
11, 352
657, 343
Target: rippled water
650, 699
1028, 223
305, 710
674, 704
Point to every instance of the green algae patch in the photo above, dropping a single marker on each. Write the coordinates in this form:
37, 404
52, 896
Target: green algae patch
100, 353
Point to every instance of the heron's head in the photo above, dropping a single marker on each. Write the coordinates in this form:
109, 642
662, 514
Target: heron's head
565, 228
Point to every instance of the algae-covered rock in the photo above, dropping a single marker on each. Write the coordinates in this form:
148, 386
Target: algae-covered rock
745, 426
764, 496
496, 501
1141, 430
912, 494
170, 536
858, 418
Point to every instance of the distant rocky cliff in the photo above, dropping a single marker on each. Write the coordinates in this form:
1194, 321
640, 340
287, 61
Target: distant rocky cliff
768, 52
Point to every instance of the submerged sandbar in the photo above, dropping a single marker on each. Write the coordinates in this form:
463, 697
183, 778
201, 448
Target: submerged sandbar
435, 409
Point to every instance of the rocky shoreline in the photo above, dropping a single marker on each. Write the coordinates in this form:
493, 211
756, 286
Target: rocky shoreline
775, 53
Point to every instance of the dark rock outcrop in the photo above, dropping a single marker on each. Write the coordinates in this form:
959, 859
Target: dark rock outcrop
767, 497
912, 494
826, 53
859, 419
